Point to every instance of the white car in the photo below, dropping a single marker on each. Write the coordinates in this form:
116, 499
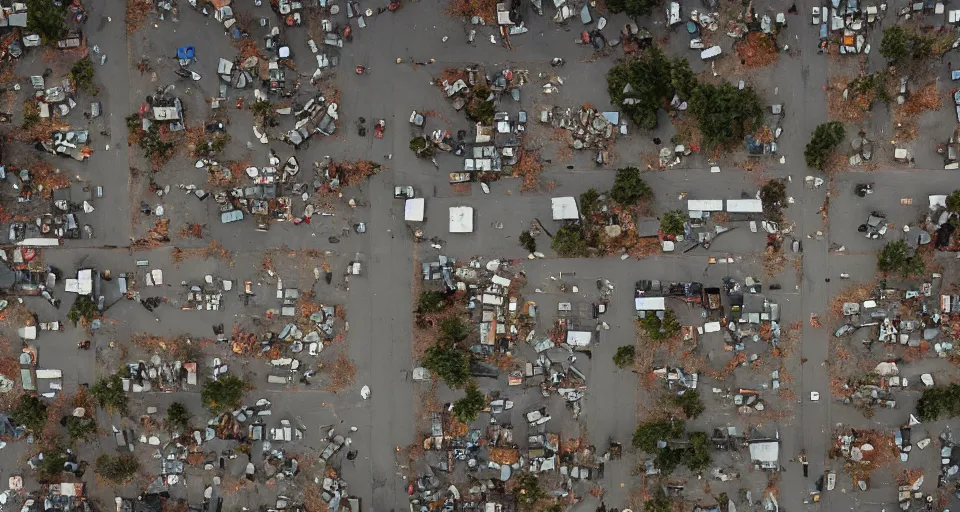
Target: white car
816, 16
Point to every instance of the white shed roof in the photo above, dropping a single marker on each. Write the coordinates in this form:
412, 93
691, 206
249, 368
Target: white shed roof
579, 338
413, 209
744, 206
705, 205
650, 303
564, 208
461, 219
765, 451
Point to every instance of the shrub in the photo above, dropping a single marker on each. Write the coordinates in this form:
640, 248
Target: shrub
773, 195
422, 147
454, 330
109, 394
528, 241
691, 403
660, 330
431, 301
939, 402
625, 356
467, 408
178, 418
589, 202
261, 108
224, 394
84, 308
80, 429
672, 223
826, 137
568, 242
898, 257
629, 188
953, 202
31, 412
117, 469
527, 490
649, 433
82, 73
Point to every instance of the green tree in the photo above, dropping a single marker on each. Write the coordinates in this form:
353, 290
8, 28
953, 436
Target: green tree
724, 113
649, 433
449, 363
625, 356
826, 138
82, 73
568, 242
528, 241
940, 402
668, 459
31, 412
47, 19
660, 330
479, 108
898, 257
53, 461
773, 196
697, 454
467, 408
659, 503
671, 223
632, 8
431, 301
682, 78
691, 403
178, 418
83, 308
527, 490
953, 202
895, 45
643, 86
109, 394
422, 147
454, 330
629, 188
589, 202
224, 394
117, 469
80, 429
261, 108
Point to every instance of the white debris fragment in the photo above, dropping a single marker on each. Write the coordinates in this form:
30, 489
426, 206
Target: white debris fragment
365, 392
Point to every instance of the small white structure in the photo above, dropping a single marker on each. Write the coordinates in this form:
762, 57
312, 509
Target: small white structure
579, 338
413, 209
698, 206
564, 208
650, 303
744, 206
461, 219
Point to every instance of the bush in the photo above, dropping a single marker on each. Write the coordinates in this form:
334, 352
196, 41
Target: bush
84, 308
527, 490
261, 108
528, 241
449, 363
672, 223
568, 242
117, 470
647, 435
80, 429
690, 402
632, 8
431, 301
826, 138
899, 44
773, 195
224, 394
31, 412
82, 73
47, 19
422, 147
467, 408
659, 503
697, 454
53, 461
724, 113
454, 330
178, 418
939, 402
629, 188
898, 257
625, 356
660, 330
109, 394
479, 109
953, 202
589, 203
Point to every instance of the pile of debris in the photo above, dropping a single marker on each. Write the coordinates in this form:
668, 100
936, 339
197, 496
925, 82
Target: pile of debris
588, 127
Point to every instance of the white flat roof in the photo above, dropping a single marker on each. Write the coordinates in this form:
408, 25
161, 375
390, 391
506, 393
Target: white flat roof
744, 206
461, 219
650, 303
579, 338
564, 208
705, 205
413, 209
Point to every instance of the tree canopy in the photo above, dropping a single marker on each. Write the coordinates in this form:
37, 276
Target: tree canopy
224, 394
939, 402
108, 392
629, 188
643, 86
431, 301
724, 113
117, 469
625, 356
660, 330
31, 412
647, 435
953, 202
467, 408
632, 8
826, 137
773, 195
47, 19
671, 223
449, 363
898, 257
568, 242
900, 44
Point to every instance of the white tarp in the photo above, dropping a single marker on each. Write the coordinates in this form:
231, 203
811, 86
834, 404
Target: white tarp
413, 209
564, 208
579, 338
938, 201
461, 219
705, 205
85, 279
650, 303
744, 206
